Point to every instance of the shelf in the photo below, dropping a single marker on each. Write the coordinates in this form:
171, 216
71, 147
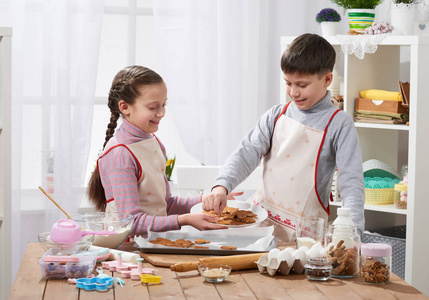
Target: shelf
387, 208
382, 126
390, 40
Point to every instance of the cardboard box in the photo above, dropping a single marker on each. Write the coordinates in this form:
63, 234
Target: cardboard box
386, 106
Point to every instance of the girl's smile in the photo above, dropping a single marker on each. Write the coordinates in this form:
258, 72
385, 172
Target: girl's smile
148, 109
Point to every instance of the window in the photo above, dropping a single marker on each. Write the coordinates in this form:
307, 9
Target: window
127, 38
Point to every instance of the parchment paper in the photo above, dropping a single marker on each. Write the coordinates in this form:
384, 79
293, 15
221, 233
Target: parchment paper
257, 239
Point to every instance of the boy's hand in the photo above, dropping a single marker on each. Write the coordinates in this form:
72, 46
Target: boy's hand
216, 200
200, 221
231, 195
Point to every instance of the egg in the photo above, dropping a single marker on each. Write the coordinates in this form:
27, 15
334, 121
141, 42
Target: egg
317, 246
273, 253
314, 252
300, 254
304, 248
285, 255
285, 260
290, 250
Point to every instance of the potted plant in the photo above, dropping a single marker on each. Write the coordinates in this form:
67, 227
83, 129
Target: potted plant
170, 162
328, 19
361, 13
403, 14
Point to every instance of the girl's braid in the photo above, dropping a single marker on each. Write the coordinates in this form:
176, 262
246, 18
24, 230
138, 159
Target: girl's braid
111, 127
114, 97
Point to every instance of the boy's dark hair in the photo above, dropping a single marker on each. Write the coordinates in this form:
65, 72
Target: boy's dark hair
125, 86
308, 54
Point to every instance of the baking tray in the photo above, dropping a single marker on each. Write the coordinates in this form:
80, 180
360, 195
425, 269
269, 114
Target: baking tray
247, 240
192, 251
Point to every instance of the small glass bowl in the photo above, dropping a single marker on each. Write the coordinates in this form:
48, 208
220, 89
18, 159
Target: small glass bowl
82, 245
214, 273
318, 268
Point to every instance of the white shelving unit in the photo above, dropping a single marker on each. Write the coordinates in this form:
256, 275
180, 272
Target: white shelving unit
395, 144
5, 162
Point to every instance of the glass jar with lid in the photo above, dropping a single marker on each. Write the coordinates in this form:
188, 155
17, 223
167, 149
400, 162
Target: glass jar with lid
318, 268
343, 249
401, 195
376, 263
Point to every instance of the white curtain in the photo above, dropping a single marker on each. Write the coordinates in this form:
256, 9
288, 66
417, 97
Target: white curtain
221, 63
55, 46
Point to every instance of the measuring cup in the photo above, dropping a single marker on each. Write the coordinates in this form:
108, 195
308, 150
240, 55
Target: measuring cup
67, 231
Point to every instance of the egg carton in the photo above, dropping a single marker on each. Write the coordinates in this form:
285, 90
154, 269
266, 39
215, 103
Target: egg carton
283, 261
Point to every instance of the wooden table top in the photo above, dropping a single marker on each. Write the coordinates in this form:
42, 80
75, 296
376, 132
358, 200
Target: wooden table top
248, 284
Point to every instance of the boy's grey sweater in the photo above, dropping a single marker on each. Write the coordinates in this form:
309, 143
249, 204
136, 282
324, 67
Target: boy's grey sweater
341, 149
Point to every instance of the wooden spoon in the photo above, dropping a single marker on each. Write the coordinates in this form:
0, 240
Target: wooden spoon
50, 198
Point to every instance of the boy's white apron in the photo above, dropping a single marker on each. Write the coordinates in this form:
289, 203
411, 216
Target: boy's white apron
288, 188
151, 184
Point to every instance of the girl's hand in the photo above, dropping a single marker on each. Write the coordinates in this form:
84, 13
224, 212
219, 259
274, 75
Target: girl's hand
200, 221
216, 200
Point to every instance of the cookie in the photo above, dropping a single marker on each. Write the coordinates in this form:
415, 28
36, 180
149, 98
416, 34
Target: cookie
201, 241
228, 248
200, 247
234, 216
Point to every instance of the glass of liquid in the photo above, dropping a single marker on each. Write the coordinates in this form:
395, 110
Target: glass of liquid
309, 231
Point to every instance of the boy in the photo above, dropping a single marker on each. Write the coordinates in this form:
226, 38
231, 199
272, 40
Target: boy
301, 144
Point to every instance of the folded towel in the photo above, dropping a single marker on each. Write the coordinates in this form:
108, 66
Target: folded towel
381, 95
381, 115
377, 121
380, 118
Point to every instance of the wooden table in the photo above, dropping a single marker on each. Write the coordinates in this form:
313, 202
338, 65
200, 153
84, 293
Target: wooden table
249, 284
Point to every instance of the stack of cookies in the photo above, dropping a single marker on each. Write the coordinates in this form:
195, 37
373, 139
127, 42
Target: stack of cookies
234, 216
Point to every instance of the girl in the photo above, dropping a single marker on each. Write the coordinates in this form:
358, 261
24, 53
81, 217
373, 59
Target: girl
130, 171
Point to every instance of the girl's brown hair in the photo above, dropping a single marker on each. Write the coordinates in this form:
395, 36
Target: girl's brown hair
125, 86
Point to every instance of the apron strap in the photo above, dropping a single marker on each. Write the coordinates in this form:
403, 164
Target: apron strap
122, 145
278, 117
317, 163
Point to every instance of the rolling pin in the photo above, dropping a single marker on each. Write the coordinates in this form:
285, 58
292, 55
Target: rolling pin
237, 262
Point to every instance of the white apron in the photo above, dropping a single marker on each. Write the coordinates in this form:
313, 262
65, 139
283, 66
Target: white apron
151, 184
289, 188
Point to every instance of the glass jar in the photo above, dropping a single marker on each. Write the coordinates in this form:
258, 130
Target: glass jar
376, 263
401, 195
342, 248
318, 268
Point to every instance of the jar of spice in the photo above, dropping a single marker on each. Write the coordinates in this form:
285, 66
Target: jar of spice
376, 263
401, 195
318, 268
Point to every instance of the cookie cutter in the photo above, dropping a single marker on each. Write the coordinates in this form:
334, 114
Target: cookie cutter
117, 265
135, 271
95, 283
103, 254
100, 273
145, 278
120, 281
